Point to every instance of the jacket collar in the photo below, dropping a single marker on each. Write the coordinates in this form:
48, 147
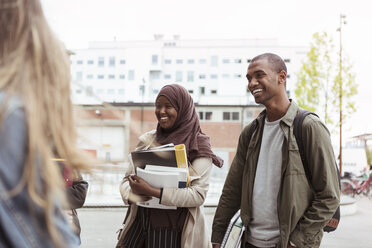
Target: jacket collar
288, 118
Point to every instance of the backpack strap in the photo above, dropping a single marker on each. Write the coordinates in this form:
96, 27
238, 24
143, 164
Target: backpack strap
297, 131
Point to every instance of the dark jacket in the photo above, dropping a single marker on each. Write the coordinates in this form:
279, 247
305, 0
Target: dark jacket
302, 213
76, 194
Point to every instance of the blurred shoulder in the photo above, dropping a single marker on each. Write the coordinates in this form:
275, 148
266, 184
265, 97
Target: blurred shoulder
12, 104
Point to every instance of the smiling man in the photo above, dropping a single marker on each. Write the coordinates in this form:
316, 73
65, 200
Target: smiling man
267, 181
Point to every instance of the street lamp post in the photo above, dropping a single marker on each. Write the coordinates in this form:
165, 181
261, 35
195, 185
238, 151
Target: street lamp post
142, 103
342, 22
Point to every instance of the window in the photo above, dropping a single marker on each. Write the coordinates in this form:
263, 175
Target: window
121, 91
225, 76
122, 76
89, 91
169, 44
90, 62
112, 61
226, 116
208, 115
214, 60
155, 91
131, 75
214, 76
178, 76
237, 76
154, 75
90, 76
78, 91
225, 61
235, 116
249, 60
202, 90
202, 76
79, 76
154, 59
287, 60
167, 61
238, 61
202, 61
167, 76
190, 61
191, 91
111, 91
101, 61
288, 76
111, 76
122, 61
79, 62
190, 76
205, 115
179, 61
100, 76
213, 92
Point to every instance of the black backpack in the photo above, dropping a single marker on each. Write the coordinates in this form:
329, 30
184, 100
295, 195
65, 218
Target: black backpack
297, 131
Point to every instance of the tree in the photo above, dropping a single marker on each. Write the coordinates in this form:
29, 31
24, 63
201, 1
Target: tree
316, 91
369, 155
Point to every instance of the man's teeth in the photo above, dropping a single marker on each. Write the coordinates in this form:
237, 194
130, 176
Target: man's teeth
256, 91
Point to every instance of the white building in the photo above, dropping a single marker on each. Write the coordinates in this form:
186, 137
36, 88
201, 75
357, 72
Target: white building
134, 71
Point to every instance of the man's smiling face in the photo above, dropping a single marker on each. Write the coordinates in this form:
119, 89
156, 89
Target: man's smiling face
263, 81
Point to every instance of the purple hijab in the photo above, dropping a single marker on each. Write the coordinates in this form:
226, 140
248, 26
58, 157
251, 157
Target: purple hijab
186, 130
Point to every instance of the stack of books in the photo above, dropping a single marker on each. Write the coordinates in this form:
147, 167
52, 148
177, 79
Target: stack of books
162, 167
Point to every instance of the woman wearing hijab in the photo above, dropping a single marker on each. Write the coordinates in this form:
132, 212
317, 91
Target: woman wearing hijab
178, 123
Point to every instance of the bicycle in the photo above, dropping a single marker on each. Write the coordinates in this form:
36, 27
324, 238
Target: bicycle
352, 185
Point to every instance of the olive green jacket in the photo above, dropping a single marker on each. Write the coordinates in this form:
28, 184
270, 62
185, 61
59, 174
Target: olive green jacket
302, 213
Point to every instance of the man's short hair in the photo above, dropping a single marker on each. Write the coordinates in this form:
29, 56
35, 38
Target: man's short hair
276, 61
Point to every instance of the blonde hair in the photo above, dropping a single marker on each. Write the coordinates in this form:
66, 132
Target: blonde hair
34, 66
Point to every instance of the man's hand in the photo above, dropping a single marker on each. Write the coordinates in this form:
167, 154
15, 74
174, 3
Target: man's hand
141, 187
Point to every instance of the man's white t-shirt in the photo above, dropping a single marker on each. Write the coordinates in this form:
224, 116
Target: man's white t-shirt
264, 226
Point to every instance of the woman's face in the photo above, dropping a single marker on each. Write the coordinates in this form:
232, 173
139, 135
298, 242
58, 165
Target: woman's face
165, 112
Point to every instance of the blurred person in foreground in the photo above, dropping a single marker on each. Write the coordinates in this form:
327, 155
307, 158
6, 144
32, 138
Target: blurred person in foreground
184, 227
267, 180
35, 115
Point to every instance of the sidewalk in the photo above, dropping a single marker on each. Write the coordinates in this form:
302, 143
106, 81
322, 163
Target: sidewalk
99, 226
354, 230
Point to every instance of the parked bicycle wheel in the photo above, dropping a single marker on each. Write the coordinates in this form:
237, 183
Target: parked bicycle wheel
347, 187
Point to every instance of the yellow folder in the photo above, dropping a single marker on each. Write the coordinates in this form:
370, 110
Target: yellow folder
181, 157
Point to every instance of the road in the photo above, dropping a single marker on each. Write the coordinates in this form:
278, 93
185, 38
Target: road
99, 226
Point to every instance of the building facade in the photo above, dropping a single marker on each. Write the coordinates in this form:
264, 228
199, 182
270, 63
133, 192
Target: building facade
213, 71
111, 132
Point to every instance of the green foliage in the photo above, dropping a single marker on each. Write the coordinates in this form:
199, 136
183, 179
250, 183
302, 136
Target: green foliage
369, 155
318, 82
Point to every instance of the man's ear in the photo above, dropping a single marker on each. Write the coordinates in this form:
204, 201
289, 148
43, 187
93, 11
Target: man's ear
282, 76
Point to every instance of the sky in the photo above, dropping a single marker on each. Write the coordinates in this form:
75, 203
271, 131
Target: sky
291, 22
